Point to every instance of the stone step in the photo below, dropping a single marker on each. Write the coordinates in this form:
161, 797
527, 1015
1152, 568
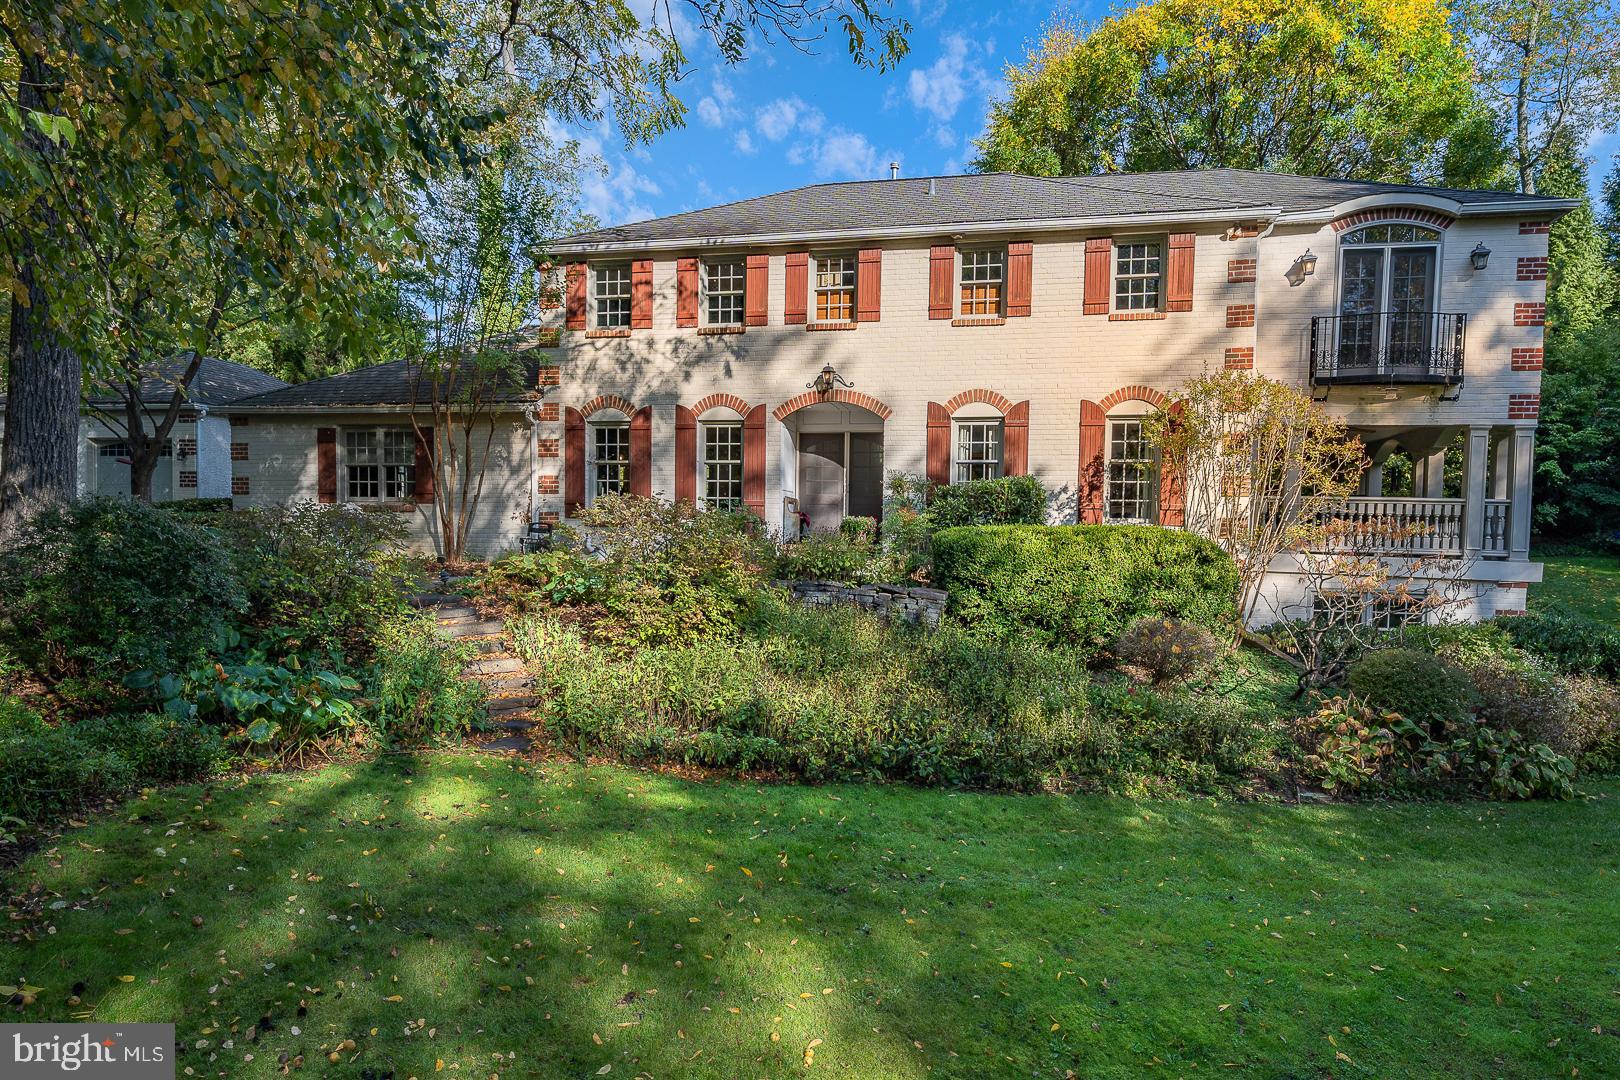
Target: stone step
504, 665
433, 600
516, 744
473, 629
489, 645
507, 682
457, 613
515, 723
500, 705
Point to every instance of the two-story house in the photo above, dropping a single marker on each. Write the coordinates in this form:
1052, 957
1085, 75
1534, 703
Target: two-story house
785, 353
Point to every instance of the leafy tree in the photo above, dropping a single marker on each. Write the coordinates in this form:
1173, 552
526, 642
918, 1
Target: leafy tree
1377, 91
1582, 286
1552, 68
1577, 489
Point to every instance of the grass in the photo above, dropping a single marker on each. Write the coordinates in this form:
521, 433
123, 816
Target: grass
1587, 585
525, 921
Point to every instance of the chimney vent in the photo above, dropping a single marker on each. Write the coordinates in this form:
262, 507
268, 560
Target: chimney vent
931, 189
894, 170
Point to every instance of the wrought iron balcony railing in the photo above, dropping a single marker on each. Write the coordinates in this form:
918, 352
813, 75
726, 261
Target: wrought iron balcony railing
1388, 348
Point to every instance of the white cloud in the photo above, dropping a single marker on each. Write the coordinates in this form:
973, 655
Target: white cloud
745, 142
719, 107
613, 191
785, 116
840, 154
940, 88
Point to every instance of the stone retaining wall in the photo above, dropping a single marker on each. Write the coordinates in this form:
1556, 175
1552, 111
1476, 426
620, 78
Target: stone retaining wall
912, 604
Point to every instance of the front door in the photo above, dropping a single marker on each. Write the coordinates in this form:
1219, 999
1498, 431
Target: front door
840, 475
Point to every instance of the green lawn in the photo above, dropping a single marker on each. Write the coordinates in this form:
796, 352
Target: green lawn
555, 922
1586, 585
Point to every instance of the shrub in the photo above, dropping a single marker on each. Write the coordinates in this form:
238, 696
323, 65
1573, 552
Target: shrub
1167, 649
829, 557
1594, 719
1525, 695
1348, 745
318, 579
1149, 739
1419, 686
1573, 644
95, 589
46, 771
860, 529
416, 688
1081, 584
538, 579
1006, 500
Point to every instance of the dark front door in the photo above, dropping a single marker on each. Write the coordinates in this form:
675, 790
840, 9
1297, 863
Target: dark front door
822, 478
865, 474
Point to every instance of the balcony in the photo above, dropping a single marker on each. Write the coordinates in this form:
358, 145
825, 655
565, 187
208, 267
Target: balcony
1421, 528
1388, 348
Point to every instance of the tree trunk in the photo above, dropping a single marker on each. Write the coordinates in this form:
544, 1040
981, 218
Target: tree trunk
39, 461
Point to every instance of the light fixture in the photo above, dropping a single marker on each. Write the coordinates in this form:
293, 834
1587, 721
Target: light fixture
1480, 257
826, 380
1306, 263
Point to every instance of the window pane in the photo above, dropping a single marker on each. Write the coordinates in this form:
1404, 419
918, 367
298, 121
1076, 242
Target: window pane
399, 462
835, 288
982, 276
1131, 473
612, 297
978, 450
722, 467
610, 462
723, 293
1137, 276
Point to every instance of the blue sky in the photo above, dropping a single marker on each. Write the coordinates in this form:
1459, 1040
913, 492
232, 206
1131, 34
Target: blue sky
786, 117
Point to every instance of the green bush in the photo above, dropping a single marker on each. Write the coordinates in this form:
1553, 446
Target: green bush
830, 557
1168, 649
1006, 500
1572, 644
47, 772
1081, 584
1594, 719
101, 587
318, 579
1419, 686
416, 688
529, 582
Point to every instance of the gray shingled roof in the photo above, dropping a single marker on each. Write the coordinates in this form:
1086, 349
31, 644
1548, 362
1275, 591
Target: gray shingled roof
391, 383
218, 382
921, 202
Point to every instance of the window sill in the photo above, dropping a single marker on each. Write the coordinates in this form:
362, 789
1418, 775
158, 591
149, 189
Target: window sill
816, 326
1135, 316
589, 334
719, 331
982, 320
383, 506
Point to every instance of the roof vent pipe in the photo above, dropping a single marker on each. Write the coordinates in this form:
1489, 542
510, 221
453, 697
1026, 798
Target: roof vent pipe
894, 170
931, 190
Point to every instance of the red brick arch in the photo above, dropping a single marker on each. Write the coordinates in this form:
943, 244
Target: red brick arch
1133, 393
980, 396
847, 397
1392, 213
721, 401
607, 401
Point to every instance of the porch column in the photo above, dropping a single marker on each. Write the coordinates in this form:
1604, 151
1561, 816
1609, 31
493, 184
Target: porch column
1475, 460
1524, 464
1372, 483
1502, 467
1429, 475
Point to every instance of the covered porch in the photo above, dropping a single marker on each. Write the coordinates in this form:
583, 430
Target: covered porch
1461, 491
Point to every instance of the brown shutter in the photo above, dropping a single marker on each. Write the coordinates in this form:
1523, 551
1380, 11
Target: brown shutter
756, 291
575, 315
754, 460
1178, 276
869, 285
1099, 264
686, 462
939, 443
326, 464
1092, 423
424, 466
641, 294
573, 462
686, 292
1015, 440
1020, 259
1172, 489
547, 286
796, 294
641, 452
941, 269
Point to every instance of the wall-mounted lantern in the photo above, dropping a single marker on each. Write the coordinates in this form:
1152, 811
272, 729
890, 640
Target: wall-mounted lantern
1480, 257
826, 380
1304, 266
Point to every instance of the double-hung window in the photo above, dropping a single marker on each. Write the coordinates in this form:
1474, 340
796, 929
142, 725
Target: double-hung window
982, 273
1138, 275
835, 288
723, 292
978, 450
722, 465
379, 464
611, 297
1132, 473
610, 458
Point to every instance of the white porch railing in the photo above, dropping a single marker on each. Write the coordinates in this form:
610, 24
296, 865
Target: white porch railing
1441, 526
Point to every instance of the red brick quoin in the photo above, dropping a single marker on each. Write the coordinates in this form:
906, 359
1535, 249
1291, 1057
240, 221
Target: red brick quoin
1527, 359
1239, 270
1533, 268
1524, 406
1532, 314
1240, 359
1239, 315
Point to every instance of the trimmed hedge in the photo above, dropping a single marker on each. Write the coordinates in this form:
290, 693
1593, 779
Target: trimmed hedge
1081, 584
1005, 500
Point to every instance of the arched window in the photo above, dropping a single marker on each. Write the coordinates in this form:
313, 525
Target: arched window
1388, 282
